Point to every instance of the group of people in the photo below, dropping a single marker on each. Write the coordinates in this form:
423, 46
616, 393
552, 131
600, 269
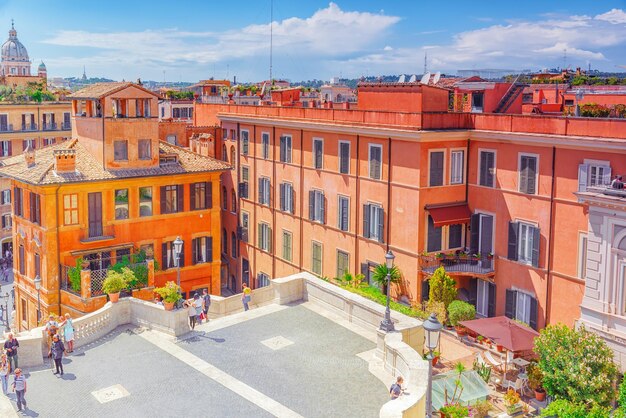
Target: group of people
8, 364
617, 182
60, 331
198, 308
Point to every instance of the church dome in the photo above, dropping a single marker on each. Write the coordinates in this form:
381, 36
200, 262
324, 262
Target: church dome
13, 50
42, 66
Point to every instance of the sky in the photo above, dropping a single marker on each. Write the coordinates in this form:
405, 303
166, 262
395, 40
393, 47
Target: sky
198, 39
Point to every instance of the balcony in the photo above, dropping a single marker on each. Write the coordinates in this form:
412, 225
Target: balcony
29, 127
66, 126
97, 233
49, 126
458, 263
6, 128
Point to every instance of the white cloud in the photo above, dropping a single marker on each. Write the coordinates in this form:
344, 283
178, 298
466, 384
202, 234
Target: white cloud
615, 16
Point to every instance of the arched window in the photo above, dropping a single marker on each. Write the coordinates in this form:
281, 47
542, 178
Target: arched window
224, 153
233, 243
224, 198
224, 241
233, 202
232, 155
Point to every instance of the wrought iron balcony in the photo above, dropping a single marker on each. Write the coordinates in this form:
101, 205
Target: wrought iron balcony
97, 233
49, 126
458, 263
6, 128
29, 127
66, 126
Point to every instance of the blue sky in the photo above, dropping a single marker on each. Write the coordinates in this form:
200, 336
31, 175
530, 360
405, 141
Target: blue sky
196, 39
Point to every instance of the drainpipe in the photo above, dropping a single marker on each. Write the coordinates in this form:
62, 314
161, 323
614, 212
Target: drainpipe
301, 200
358, 206
550, 247
388, 226
60, 271
467, 159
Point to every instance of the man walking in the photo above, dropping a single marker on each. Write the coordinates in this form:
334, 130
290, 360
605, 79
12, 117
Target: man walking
206, 303
19, 387
10, 346
245, 296
56, 352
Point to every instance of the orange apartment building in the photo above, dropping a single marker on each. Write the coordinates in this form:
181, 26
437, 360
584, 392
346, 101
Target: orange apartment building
331, 190
112, 190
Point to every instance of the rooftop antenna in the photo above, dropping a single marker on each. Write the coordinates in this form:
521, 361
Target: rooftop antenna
437, 77
425, 61
565, 58
401, 79
413, 78
425, 78
271, 35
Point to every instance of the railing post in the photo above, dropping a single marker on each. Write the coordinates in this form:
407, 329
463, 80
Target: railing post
85, 284
150, 264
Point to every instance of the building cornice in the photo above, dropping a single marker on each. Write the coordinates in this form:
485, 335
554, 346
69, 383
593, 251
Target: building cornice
547, 140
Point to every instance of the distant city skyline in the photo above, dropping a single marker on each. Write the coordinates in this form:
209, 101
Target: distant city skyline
314, 39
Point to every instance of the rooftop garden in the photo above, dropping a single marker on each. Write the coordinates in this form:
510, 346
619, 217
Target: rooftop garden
32, 92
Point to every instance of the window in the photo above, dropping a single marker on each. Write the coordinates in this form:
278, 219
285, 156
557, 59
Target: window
145, 149
162, 112
37, 265
569, 102
457, 160
264, 191
22, 262
224, 198
527, 174
344, 157
487, 168
316, 262
70, 209
262, 280
434, 236
373, 218
233, 134
285, 149
224, 153
6, 221
375, 161
145, 201
265, 145
343, 217
122, 256
202, 250
485, 297
168, 256
35, 208
318, 153
176, 112
436, 168
524, 243
593, 174
287, 250
171, 139
48, 141
172, 199
121, 204
245, 142
265, 237
582, 255
343, 260
527, 98
18, 198
245, 221
521, 306
286, 197
233, 201
224, 241
233, 245
120, 150
243, 186
455, 236
317, 206
5, 148
201, 196
5, 197
28, 143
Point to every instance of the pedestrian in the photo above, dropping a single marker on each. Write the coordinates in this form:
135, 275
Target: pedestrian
197, 303
5, 370
19, 387
56, 352
245, 297
396, 389
191, 311
10, 346
206, 303
68, 332
52, 327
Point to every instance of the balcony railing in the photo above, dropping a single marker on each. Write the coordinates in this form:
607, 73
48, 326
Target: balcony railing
66, 126
458, 263
97, 233
29, 127
49, 126
6, 128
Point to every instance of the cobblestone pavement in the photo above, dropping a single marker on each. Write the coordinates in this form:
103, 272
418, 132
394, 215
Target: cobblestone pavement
311, 369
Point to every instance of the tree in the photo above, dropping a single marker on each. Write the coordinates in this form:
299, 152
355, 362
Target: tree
442, 287
577, 365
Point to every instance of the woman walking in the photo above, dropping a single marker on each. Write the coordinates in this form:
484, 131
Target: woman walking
191, 311
5, 369
68, 332
56, 352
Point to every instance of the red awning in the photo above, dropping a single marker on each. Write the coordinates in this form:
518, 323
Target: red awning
504, 331
450, 215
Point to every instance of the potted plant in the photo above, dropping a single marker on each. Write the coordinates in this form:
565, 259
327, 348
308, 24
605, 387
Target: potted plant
454, 410
435, 359
511, 401
439, 256
460, 311
481, 409
535, 381
480, 339
170, 293
115, 282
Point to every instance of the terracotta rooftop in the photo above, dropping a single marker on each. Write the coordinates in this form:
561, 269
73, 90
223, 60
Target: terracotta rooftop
100, 90
88, 168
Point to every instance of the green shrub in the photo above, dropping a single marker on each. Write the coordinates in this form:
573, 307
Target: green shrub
563, 408
460, 311
442, 287
116, 282
74, 275
373, 293
170, 293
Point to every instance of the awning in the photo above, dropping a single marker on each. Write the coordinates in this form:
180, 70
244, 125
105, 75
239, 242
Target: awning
505, 332
450, 214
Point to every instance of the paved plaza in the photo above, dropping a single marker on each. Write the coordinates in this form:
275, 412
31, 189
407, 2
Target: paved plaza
274, 361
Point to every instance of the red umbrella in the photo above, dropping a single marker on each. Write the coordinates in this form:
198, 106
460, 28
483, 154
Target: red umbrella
504, 331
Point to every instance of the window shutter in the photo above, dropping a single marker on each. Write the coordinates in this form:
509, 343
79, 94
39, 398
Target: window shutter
583, 170
381, 223
10, 148
513, 230
365, 272
292, 200
322, 204
532, 321
269, 239
344, 215
474, 232
366, 221
345, 158
260, 235
523, 175
267, 192
282, 149
209, 249
425, 290
491, 303
282, 196
261, 194
473, 291
311, 205
164, 255
535, 250
181, 260
194, 250
181, 198
4, 224
490, 167
606, 176
532, 175
509, 307
483, 169
208, 195
436, 169
192, 196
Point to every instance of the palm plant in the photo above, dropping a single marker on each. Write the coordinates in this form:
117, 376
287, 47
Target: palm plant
379, 276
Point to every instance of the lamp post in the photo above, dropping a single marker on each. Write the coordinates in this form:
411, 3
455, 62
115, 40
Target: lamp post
37, 282
178, 247
432, 331
386, 324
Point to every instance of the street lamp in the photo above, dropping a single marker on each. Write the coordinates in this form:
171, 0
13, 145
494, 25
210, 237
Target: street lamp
178, 248
386, 324
37, 282
432, 331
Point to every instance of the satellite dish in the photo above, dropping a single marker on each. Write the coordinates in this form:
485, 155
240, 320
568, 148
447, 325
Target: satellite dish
413, 78
437, 77
425, 78
401, 79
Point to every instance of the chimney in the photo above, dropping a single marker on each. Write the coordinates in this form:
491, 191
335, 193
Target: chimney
65, 160
29, 156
